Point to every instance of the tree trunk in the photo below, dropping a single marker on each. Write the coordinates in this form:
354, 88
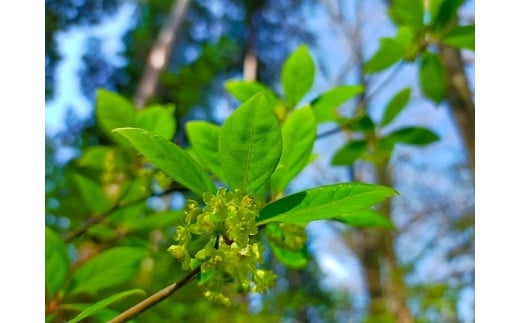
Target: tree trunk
394, 285
460, 98
383, 276
368, 250
159, 55
250, 65
387, 294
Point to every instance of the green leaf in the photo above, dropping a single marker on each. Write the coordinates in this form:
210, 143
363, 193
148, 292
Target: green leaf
103, 315
366, 218
95, 157
289, 256
56, 262
349, 153
312, 158
391, 50
194, 155
395, 106
461, 37
298, 135
250, 145
153, 221
325, 202
244, 90
432, 78
407, 12
326, 104
432, 7
50, 318
93, 194
102, 231
292, 259
203, 137
205, 276
157, 119
361, 122
129, 213
170, 158
444, 13
297, 75
138, 189
114, 111
108, 269
95, 308
417, 136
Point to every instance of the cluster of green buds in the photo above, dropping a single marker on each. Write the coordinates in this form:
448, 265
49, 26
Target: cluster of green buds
221, 239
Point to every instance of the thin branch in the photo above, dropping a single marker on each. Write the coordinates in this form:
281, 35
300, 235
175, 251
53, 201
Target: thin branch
386, 80
159, 296
98, 218
329, 132
155, 298
419, 215
369, 96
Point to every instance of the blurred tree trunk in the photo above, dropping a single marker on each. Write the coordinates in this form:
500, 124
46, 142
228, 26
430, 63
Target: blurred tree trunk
374, 247
395, 286
159, 55
460, 98
384, 278
250, 65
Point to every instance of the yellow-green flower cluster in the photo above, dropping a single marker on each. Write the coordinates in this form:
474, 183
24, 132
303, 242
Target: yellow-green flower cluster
221, 238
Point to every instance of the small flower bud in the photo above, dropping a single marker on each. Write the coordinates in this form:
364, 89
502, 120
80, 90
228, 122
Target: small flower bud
179, 252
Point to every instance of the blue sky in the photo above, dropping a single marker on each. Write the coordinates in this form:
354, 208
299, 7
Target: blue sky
71, 46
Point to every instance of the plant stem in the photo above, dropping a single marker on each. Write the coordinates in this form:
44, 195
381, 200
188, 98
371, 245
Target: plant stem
154, 299
89, 223
98, 218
